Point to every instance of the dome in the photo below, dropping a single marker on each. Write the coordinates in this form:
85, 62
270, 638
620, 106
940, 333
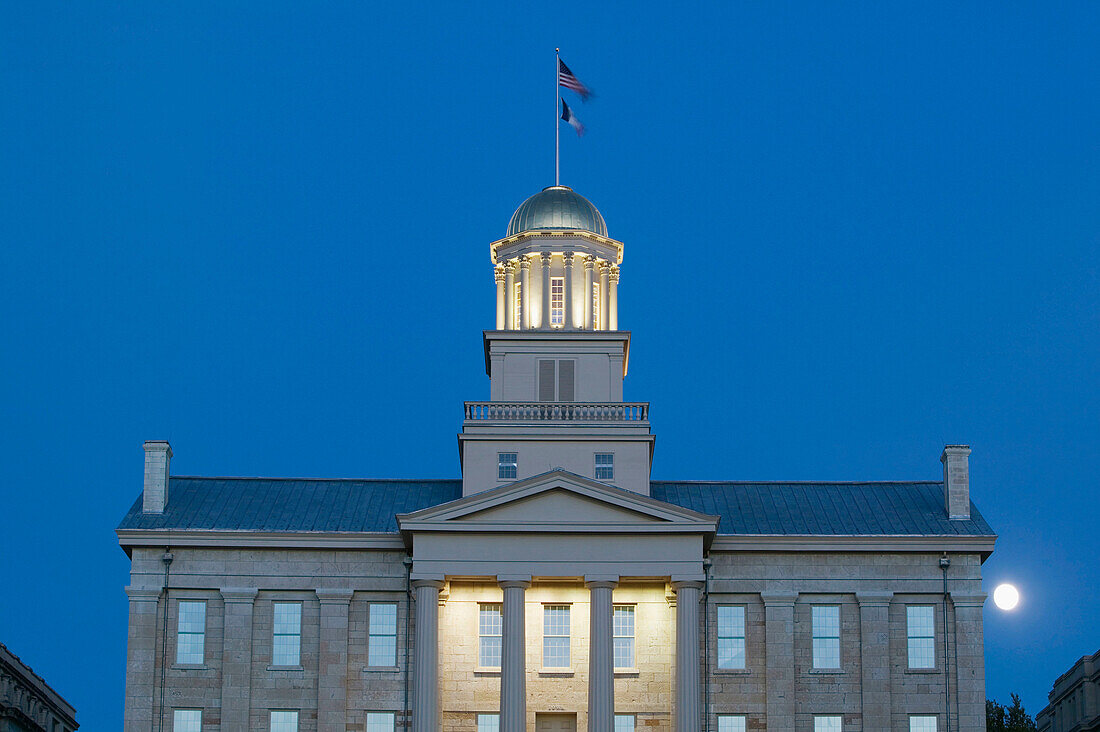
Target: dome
557, 207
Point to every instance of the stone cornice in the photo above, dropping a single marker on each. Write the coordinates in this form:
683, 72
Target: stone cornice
863, 543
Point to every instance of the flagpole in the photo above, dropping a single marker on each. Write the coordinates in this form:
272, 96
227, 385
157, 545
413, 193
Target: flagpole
557, 114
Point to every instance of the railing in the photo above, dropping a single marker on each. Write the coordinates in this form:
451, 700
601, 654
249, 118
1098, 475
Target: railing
557, 411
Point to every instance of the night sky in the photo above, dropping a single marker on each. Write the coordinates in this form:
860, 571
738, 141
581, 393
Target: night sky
854, 233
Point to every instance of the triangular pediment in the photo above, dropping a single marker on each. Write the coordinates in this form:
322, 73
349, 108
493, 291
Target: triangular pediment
558, 501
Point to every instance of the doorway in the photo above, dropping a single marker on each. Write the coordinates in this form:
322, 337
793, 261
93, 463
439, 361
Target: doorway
555, 722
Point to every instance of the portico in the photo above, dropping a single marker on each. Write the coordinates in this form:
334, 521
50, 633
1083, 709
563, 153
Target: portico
578, 542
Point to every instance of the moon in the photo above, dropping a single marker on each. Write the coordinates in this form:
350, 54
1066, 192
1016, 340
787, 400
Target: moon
1006, 597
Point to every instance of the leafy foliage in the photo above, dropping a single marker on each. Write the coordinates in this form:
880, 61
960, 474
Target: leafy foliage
999, 718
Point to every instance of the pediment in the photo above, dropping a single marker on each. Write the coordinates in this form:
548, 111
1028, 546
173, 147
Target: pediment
558, 501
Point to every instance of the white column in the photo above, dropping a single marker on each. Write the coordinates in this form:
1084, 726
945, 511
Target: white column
586, 301
567, 321
544, 316
510, 296
613, 296
688, 713
604, 272
141, 660
426, 685
525, 292
513, 656
332, 662
601, 672
237, 656
498, 276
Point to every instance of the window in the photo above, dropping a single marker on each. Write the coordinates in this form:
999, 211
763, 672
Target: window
191, 631
488, 723
624, 723
731, 636
287, 641
187, 720
517, 306
826, 630
557, 301
506, 465
595, 306
488, 628
382, 634
922, 723
920, 629
555, 636
605, 466
379, 721
828, 724
555, 380
284, 722
731, 723
623, 641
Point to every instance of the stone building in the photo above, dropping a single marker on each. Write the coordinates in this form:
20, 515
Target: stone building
555, 586
27, 703
1074, 702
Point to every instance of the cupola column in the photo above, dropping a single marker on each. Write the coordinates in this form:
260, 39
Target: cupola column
510, 296
604, 300
567, 321
613, 296
498, 276
544, 316
586, 299
525, 293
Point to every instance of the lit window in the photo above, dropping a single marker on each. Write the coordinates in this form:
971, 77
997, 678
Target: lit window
382, 634
605, 466
731, 636
284, 722
557, 301
287, 641
624, 723
488, 723
922, 723
517, 303
187, 720
489, 625
379, 721
731, 723
506, 465
191, 631
826, 629
828, 724
595, 305
623, 631
920, 629
555, 636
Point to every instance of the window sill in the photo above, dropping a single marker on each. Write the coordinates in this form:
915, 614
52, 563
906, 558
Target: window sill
189, 666
922, 671
487, 671
285, 668
380, 669
626, 672
555, 672
827, 671
733, 671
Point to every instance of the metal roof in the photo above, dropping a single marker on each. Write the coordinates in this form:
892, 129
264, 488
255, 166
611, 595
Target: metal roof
557, 207
369, 506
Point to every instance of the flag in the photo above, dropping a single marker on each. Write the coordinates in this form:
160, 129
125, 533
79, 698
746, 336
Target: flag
569, 81
571, 119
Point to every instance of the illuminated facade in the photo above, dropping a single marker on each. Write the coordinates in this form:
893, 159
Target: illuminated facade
555, 586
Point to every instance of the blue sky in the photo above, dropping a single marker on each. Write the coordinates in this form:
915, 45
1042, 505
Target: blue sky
853, 233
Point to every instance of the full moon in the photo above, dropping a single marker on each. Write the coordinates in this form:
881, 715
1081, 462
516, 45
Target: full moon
1006, 596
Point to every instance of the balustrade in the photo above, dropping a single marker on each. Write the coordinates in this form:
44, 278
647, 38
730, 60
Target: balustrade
557, 411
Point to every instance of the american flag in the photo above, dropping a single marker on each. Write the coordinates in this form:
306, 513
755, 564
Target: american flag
569, 81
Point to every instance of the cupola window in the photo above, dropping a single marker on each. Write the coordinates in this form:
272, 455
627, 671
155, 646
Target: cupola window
557, 302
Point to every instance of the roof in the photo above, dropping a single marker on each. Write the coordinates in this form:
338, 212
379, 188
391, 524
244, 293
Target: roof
37, 685
557, 207
369, 506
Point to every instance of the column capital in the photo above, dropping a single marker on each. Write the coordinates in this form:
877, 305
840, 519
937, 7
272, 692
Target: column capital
545, 257
514, 580
334, 595
239, 594
778, 598
524, 263
605, 267
143, 594
601, 581
498, 273
428, 582
510, 266
968, 599
567, 257
614, 273
687, 584
874, 599
589, 262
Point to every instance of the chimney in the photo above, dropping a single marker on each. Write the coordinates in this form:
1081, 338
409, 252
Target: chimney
154, 496
956, 481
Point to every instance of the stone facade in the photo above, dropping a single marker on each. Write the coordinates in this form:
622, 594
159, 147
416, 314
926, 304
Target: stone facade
1074, 700
27, 703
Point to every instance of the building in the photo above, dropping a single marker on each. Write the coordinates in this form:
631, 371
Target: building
555, 586
1074, 702
27, 703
